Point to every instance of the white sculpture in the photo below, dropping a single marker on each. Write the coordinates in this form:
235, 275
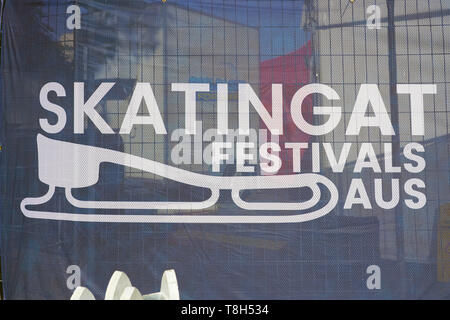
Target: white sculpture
120, 288
82, 293
70, 166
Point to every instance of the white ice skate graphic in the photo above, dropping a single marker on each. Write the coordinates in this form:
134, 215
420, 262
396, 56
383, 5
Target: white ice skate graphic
68, 165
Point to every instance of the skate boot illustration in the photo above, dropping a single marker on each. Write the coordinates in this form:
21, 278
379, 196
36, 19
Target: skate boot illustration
70, 166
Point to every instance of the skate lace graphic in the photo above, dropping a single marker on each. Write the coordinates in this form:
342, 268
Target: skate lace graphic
69, 165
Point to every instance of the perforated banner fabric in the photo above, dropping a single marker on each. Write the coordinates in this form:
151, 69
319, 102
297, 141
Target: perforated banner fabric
271, 149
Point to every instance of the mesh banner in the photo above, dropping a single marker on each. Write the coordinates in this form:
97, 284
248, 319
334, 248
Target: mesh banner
290, 149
